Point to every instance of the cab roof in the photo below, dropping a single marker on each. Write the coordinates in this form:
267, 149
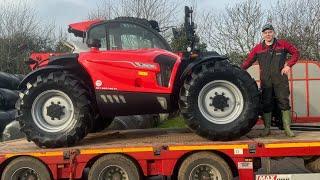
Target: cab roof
79, 28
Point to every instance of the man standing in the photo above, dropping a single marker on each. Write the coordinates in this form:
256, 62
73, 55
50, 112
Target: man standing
271, 55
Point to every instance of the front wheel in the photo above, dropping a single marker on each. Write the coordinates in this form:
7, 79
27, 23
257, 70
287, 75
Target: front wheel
55, 110
220, 101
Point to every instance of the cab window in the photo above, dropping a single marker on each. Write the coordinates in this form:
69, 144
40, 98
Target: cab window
99, 32
125, 36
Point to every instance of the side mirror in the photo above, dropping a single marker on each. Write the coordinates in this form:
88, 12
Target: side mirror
94, 43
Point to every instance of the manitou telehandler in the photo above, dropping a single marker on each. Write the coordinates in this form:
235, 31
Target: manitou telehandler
129, 69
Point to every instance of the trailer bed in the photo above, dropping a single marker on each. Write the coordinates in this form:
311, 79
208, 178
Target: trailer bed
164, 138
160, 151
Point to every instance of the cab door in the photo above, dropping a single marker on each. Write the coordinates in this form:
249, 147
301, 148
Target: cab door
126, 70
127, 60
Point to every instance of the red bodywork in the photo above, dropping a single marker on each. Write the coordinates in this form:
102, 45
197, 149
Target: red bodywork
129, 70
119, 69
42, 59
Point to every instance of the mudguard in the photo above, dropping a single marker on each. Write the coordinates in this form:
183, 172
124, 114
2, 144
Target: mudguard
66, 59
37, 72
61, 62
192, 65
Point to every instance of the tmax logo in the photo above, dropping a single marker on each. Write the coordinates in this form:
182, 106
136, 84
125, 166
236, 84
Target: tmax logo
267, 177
113, 99
274, 177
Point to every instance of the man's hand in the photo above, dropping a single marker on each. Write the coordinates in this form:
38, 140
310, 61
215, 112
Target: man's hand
285, 70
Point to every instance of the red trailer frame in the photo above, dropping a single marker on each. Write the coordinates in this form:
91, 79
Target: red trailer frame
162, 154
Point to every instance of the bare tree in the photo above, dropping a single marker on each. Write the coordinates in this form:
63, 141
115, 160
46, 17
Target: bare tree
299, 22
235, 30
20, 33
163, 11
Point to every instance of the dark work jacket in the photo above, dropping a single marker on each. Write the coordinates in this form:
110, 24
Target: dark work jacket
272, 59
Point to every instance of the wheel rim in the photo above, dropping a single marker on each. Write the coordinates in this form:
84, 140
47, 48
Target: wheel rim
53, 111
113, 172
205, 172
220, 102
25, 173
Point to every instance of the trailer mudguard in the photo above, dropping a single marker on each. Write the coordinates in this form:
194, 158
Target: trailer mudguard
195, 63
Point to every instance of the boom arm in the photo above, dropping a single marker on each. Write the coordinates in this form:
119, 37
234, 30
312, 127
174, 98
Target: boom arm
189, 28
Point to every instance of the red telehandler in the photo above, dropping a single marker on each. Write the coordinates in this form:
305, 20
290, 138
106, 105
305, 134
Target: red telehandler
131, 70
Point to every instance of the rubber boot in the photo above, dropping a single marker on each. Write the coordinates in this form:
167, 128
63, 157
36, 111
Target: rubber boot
267, 124
286, 120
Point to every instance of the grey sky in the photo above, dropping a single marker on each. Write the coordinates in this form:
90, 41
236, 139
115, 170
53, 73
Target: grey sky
64, 12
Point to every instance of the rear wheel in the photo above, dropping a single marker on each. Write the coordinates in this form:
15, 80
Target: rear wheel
114, 166
25, 168
220, 101
204, 165
55, 110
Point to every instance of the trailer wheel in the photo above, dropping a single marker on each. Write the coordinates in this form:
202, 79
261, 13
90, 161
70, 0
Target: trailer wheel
204, 165
114, 166
26, 168
220, 101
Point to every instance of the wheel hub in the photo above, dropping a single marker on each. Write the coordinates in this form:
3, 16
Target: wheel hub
205, 172
113, 173
25, 174
30, 176
55, 111
219, 101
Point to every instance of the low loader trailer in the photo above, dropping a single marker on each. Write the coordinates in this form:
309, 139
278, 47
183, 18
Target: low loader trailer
167, 153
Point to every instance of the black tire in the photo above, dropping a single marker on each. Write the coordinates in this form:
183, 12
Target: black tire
120, 164
146, 121
123, 123
12, 131
7, 117
9, 81
8, 99
204, 77
200, 163
313, 164
39, 130
20, 76
29, 166
99, 124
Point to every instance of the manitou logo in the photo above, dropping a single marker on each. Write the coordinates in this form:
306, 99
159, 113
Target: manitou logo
113, 99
